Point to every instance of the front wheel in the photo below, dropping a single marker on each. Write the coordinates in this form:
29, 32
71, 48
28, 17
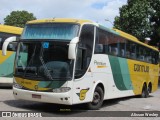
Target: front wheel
97, 99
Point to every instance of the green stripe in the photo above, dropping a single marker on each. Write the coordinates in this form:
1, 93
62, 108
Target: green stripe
125, 73
6, 68
120, 72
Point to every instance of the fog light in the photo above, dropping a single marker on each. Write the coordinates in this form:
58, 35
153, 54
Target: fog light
17, 86
61, 90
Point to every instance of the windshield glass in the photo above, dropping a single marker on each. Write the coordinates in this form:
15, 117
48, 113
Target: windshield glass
43, 60
60, 31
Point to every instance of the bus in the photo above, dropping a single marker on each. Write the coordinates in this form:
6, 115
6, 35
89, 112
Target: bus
74, 61
7, 62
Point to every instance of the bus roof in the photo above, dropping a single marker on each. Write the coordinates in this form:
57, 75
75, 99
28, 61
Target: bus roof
134, 39
10, 29
81, 21
66, 20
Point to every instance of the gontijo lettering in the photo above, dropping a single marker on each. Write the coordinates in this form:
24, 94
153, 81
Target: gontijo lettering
141, 68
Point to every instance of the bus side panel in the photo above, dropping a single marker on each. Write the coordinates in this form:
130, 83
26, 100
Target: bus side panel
6, 65
115, 76
121, 77
141, 72
121, 73
100, 71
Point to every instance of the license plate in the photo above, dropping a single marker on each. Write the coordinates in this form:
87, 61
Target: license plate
36, 96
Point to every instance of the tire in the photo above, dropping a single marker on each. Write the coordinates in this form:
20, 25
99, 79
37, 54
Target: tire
149, 88
145, 92
97, 99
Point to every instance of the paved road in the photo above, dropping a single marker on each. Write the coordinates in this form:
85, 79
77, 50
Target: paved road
8, 103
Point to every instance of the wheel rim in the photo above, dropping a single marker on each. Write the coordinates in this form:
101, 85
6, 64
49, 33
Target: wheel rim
143, 93
96, 98
149, 89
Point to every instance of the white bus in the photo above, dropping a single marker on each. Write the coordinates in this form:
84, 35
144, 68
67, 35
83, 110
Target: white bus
72, 61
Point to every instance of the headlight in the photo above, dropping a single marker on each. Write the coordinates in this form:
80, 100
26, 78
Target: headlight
17, 85
62, 89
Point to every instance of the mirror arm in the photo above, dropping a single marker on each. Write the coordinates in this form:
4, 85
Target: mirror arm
6, 43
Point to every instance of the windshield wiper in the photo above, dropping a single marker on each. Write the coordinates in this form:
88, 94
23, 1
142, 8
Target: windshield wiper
47, 73
30, 61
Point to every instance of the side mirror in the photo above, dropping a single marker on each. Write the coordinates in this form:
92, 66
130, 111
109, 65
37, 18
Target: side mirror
6, 43
72, 48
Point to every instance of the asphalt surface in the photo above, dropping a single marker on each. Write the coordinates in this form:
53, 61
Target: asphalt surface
47, 110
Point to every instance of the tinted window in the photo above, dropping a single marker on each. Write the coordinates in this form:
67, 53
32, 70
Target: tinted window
109, 43
3, 37
102, 39
85, 49
122, 47
60, 31
106, 43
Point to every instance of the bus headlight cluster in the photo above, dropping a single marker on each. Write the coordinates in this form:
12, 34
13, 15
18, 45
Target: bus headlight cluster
62, 89
17, 86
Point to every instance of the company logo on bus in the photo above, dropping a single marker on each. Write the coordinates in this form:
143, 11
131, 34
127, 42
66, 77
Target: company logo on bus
100, 64
141, 68
36, 87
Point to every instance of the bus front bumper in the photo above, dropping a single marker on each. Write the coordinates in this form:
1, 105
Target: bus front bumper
5, 81
48, 97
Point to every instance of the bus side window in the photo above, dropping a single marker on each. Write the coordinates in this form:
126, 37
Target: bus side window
79, 59
140, 55
154, 57
101, 45
127, 54
12, 46
109, 48
122, 53
148, 56
0, 43
128, 50
122, 47
99, 48
84, 50
114, 51
113, 44
133, 50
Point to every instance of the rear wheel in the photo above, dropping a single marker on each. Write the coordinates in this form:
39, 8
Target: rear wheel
145, 92
97, 99
149, 88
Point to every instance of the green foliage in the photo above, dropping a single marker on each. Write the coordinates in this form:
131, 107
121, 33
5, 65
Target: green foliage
155, 21
137, 18
18, 18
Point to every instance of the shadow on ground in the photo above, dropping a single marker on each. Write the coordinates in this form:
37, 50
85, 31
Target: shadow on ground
54, 110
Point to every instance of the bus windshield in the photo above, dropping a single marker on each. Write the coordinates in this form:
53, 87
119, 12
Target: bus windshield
60, 31
43, 61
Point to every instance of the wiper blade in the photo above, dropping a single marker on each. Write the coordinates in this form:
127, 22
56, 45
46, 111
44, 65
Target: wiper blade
30, 61
47, 73
45, 68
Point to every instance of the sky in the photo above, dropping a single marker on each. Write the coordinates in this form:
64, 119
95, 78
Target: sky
95, 10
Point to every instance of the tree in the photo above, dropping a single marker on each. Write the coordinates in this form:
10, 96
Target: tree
155, 22
141, 19
18, 18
